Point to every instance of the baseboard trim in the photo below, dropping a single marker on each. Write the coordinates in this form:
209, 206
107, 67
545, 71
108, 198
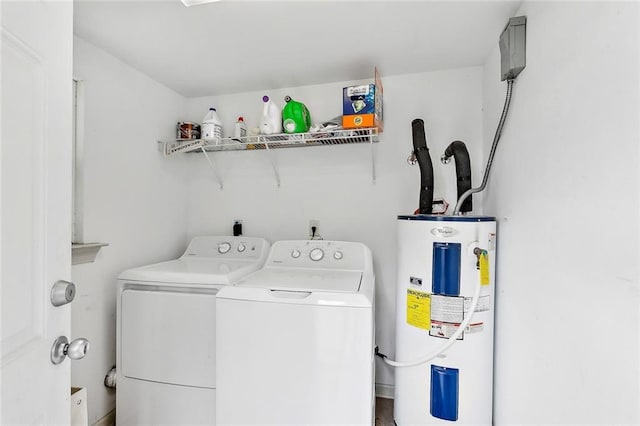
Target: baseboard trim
108, 420
384, 391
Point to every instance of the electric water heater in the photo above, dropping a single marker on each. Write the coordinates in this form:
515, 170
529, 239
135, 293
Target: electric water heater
446, 265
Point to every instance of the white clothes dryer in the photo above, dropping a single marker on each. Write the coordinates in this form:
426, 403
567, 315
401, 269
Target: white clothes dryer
165, 339
296, 339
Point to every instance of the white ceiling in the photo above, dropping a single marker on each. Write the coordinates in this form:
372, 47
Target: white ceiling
237, 46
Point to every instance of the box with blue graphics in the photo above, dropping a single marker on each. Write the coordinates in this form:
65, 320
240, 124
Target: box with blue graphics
362, 105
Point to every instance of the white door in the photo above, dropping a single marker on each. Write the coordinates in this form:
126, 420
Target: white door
35, 192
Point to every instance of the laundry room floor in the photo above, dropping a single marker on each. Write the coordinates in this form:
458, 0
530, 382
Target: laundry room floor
384, 412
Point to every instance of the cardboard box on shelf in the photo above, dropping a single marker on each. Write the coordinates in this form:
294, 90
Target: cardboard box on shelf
362, 105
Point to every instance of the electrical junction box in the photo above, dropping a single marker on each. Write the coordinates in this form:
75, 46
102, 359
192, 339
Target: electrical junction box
362, 105
513, 48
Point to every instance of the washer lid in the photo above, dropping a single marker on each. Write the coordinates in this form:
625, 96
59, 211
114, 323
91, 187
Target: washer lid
193, 271
313, 280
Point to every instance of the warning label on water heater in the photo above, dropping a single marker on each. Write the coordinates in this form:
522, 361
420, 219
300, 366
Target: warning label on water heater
447, 308
484, 304
484, 268
418, 309
444, 329
447, 313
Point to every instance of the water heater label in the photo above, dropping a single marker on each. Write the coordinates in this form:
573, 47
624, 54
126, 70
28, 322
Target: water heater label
447, 308
415, 280
492, 241
447, 312
484, 304
444, 329
444, 231
484, 268
474, 328
419, 309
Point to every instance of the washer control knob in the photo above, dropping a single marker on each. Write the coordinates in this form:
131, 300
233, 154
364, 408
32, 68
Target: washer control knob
316, 254
241, 247
295, 253
337, 255
224, 248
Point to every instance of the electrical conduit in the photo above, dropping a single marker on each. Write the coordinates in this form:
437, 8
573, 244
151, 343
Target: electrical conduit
492, 153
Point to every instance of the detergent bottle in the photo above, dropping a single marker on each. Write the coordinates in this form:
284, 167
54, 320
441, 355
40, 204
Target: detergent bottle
295, 116
271, 121
212, 127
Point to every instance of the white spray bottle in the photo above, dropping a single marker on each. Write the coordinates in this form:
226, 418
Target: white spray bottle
271, 121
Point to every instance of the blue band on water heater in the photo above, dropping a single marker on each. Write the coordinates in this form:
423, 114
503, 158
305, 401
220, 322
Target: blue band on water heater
445, 276
444, 392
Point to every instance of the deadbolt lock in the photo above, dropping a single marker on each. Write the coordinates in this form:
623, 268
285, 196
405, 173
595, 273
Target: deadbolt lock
62, 292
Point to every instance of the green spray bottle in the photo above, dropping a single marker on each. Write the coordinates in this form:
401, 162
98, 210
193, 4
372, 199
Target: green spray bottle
295, 116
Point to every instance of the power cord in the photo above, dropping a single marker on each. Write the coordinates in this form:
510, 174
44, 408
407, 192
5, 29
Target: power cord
314, 235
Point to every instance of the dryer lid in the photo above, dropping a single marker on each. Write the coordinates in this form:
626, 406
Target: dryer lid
309, 280
193, 271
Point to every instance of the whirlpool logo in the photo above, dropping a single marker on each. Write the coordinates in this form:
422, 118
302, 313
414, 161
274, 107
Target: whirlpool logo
444, 231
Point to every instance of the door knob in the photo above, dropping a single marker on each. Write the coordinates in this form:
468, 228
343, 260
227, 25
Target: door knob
61, 348
62, 292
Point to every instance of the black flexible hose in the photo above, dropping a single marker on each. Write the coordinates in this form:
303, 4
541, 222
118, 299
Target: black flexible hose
426, 167
458, 150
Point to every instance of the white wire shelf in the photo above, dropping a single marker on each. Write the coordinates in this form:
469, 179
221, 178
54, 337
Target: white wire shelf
270, 142
282, 140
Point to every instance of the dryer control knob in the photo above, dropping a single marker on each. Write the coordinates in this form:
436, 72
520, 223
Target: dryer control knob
295, 253
337, 255
241, 247
316, 254
224, 248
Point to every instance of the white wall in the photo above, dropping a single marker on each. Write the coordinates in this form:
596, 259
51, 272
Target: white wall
565, 189
333, 184
134, 199
564, 186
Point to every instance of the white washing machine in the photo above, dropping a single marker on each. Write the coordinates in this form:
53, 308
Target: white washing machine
296, 339
166, 346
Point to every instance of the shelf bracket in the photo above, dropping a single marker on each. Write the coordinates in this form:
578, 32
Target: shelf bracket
85, 252
373, 161
213, 166
273, 163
